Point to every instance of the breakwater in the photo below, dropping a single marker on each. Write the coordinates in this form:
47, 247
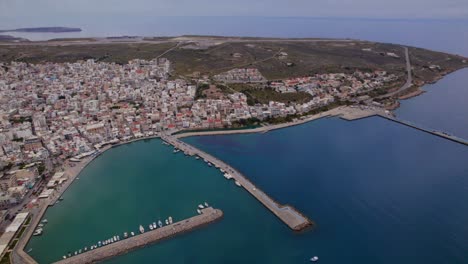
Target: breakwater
289, 215
207, 216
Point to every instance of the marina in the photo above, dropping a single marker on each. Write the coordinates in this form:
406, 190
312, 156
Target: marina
116, 246
287, 214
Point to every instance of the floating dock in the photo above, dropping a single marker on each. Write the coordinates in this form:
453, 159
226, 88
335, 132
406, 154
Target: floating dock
207, 216
290, 216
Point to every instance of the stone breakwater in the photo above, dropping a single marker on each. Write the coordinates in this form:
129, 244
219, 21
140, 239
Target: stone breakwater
208, 215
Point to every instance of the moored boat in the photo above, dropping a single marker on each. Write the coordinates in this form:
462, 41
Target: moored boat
201, 206
314, 259
238, 184
199, 211
142, 230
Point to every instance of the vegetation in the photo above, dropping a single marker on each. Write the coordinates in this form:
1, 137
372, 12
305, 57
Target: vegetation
6, 258
263, 95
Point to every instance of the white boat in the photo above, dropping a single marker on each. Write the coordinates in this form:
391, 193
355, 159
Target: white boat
142, 230
167, 222
209, 164
64, 257
45, 221
99, 243
238, 184
86, 249
29, 250
201, 206
206, 204
131, 233
160, 224
125, 235
198, 211
40, 225
151, 227
154, 225
79, 251
227, 176
197, 157
170, 219
37, 232
314, 259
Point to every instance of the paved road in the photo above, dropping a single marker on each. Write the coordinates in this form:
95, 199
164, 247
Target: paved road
409, 78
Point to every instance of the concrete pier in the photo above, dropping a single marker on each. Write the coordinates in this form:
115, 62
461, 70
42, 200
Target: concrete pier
208, 215
290, 216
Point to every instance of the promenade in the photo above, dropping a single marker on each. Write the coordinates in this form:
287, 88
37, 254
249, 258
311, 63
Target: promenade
207, 216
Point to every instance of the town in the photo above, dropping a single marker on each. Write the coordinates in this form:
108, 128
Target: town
57, 113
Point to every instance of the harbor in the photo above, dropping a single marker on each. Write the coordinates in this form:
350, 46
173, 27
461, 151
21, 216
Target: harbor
207, 216
287, 214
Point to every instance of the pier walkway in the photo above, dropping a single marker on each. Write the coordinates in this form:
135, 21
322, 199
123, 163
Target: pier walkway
290, 216
208, 215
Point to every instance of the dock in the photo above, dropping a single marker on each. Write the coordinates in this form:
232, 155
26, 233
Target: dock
287, 214
120, 247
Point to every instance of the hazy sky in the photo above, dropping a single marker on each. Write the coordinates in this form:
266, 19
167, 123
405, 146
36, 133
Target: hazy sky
432, 9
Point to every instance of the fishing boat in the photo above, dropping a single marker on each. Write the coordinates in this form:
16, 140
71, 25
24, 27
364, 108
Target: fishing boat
238, 184
142, 230
314, 259
200, 206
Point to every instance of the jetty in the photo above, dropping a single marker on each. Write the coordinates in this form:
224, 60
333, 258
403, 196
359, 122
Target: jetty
208, 215
289, 215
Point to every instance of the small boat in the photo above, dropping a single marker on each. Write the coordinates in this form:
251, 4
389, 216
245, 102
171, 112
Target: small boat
200, 206
131, 233
86, 249
209, 164
99, 243
77, 178
45, 221
154, 225
61, 199
79, 251
125, 235
167, 222
115, 238
170, 219
69, 254
37, 232
76, 252
314, 259
238, 184
151, 227
199, 211
227, 176
40, 225
142, 230
29, 250
64, 257
160, 224
206, 204
197, 157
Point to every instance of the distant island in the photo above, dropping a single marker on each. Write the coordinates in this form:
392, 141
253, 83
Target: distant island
43, 30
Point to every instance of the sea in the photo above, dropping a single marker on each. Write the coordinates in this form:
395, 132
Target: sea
379, 192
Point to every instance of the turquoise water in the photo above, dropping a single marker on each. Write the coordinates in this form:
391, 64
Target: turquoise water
379, 192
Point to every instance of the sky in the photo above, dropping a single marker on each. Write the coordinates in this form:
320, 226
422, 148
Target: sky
377, 9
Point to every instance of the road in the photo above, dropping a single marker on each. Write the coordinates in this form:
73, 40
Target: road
409, 78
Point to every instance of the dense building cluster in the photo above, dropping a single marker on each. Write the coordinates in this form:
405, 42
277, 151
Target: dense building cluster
67, 110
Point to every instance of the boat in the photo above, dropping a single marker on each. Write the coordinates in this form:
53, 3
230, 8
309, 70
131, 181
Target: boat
79, 251
76, 252
151, 227
77, 178
40, 225
170, 219
45, 221
160, 224
61, 199
222, 171
209, 164
86, 249
206, 204
199, 211
154, 225
238, 184
314, 259
69, 254
167, 222
142, 230
37, 232
131, 233
29, 250
99, 243
115, 238
201, 206
64, 257
227, 176
125, 235
197, 157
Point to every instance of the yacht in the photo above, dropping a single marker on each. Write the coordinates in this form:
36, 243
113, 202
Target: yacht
314, 259
142, 230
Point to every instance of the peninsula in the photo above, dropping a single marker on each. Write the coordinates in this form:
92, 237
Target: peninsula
64, 101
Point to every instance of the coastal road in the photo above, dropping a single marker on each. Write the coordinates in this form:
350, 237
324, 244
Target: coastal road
409, 78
